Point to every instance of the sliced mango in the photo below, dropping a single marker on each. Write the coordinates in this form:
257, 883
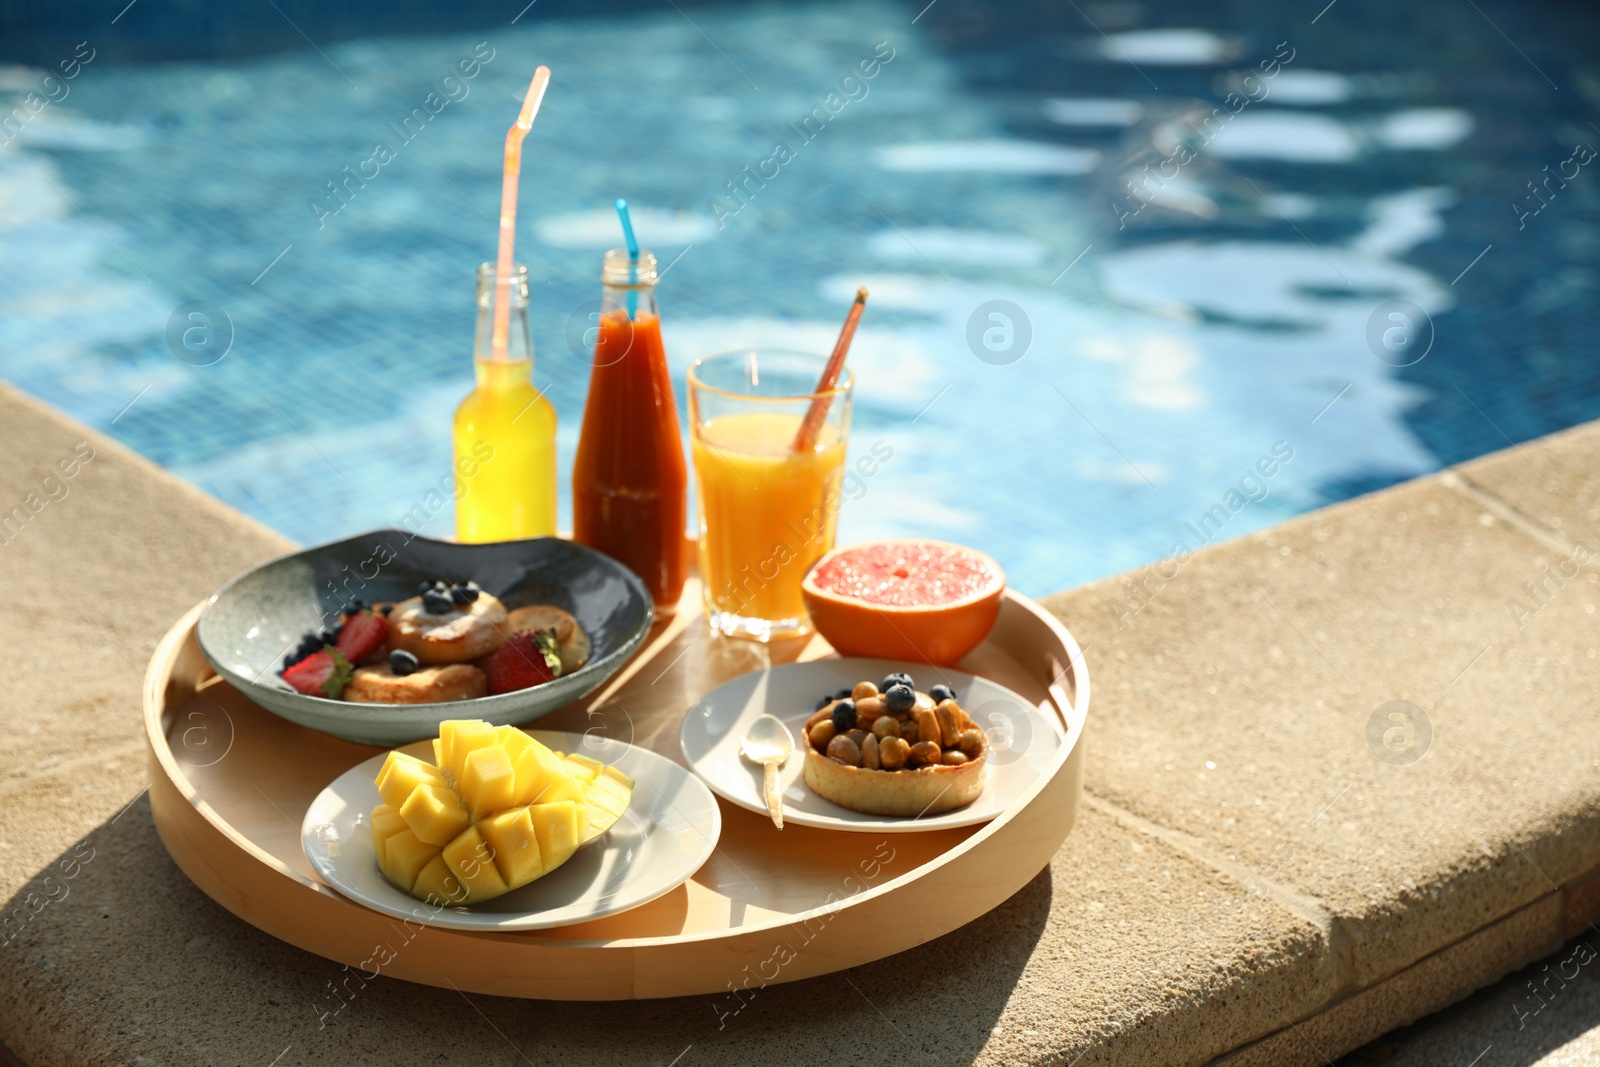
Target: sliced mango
385, 821
486, 779
473, 865
404, 856
401, 774
514, 844
435, 813
547, 781
606, 803
458, 737
436, 884
557, 828
496, 811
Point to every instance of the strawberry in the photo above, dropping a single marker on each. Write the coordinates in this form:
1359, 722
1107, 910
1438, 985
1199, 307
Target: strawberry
362, 635
322, 674
528, 658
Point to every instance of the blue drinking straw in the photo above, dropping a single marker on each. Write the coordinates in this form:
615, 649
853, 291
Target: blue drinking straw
633, 254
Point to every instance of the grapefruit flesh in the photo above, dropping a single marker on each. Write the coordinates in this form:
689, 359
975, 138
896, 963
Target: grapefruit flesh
929, 601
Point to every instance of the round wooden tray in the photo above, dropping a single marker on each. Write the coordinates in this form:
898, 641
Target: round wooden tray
230, 782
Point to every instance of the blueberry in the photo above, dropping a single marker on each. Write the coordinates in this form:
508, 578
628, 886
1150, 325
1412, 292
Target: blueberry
329, 637
402, 662
844, 715
942, 692
384, 611
355, 607
309, 643
464, 593
437, 603
898, 678
823, 701
843, 693
899, 697
424, 588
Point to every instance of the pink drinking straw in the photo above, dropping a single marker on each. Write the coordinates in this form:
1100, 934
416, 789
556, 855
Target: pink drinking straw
508, 209
817, 413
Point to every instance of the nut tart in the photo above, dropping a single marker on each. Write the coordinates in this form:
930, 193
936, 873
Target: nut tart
891, 750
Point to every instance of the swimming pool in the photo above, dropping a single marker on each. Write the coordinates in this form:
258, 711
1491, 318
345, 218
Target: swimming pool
1134, 276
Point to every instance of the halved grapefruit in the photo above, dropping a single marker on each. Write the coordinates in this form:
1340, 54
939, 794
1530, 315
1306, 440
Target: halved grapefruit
929, 601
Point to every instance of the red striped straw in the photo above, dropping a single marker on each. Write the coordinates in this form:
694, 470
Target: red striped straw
817, 414
508, 209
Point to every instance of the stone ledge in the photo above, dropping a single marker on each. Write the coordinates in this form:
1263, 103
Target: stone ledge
1581, 907
1234, 707
1424, 987
1248, 876
1554, 481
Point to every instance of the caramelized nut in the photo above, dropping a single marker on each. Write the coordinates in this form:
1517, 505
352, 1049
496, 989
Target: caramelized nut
869, 753
971, 742
858, 736
924, 754
892, 753
953, 758
886, 726
821, 734
927, 725
863, 690
824, 712
870, 708
949, 716
845, 751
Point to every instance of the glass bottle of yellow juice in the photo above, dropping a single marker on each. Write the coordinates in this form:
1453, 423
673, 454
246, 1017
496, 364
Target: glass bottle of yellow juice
505, 430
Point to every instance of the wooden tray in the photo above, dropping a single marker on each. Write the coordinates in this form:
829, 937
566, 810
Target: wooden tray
230, 783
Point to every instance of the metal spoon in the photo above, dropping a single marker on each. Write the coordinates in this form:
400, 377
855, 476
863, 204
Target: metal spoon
769, 744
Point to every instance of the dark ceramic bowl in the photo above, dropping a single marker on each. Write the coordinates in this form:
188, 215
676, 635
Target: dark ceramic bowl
256, 619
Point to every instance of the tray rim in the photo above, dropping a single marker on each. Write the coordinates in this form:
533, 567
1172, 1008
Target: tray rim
168, 655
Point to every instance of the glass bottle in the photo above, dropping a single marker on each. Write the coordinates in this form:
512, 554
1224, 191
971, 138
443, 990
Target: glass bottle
629, 481
505, 430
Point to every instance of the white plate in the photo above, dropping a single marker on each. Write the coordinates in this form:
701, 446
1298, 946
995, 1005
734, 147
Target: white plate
1024, 740
671, 826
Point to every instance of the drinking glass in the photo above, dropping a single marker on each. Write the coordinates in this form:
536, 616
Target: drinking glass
767, 511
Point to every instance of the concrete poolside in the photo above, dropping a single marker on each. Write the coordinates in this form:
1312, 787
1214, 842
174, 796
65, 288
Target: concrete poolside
1268, 868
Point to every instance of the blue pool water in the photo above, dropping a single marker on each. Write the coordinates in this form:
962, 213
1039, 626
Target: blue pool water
1107, 296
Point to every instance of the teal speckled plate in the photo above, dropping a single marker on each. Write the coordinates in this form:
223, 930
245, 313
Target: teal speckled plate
258, 618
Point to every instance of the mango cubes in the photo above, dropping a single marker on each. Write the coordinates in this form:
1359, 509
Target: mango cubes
496, 811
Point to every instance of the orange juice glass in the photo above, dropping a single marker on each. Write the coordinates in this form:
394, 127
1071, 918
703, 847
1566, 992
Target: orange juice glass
767, 512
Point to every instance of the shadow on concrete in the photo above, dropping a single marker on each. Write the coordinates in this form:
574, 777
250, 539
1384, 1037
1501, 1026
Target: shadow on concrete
1524, 1018
113, 954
